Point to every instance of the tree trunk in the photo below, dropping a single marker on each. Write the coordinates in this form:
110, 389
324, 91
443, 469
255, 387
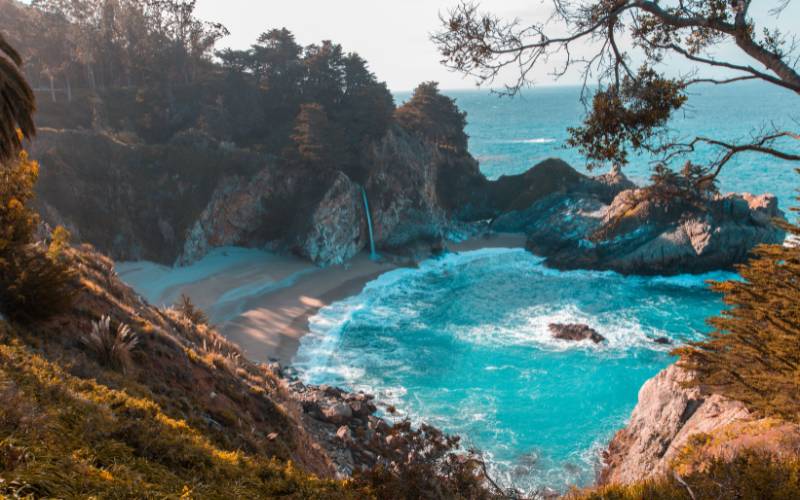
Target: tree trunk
90, 73
52, 89
69, 88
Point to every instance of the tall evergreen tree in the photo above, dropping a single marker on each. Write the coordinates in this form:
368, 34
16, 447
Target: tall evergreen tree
314, 138
435, 116
754, 353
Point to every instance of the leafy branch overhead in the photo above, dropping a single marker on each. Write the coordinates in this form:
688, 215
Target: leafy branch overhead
632, 103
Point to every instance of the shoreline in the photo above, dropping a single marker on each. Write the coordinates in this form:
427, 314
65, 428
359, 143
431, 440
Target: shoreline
264, 302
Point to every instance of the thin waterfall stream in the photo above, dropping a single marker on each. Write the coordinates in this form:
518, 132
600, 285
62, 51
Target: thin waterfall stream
372, 253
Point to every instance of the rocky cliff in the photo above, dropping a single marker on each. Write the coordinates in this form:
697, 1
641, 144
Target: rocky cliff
666, 415
607, 223
176, 201
674, 428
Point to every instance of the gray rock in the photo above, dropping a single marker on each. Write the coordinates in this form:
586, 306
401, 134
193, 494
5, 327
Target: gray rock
345, 434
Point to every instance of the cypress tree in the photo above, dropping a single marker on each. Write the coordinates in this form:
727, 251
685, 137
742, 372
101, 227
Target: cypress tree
753, 355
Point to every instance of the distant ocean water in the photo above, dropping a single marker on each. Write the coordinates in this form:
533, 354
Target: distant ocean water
462, 342
510, 135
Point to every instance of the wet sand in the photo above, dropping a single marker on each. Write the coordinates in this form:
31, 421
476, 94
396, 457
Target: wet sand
264, 303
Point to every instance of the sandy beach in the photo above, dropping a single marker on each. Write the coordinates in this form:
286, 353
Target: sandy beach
263, 301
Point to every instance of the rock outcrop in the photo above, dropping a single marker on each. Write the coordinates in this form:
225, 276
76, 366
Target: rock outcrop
322, 221
602, 223
575, 332
664, 419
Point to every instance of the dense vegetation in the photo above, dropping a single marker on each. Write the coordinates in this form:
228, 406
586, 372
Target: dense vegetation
33, 279
150, 69
754, 354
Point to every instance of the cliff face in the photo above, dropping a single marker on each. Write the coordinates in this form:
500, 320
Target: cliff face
176, 201
666, 415
132, 200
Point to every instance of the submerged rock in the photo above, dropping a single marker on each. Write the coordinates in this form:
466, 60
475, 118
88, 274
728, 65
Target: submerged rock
575, 332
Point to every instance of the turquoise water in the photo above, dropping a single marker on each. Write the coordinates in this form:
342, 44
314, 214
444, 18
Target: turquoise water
462, 342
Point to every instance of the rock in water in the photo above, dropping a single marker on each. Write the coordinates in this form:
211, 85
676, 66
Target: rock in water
575, 332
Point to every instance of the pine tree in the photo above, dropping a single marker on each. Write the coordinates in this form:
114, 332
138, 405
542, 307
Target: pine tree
754, 353
434, 116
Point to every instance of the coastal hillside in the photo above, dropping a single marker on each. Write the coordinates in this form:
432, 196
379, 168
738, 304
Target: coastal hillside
112, 397
325, 297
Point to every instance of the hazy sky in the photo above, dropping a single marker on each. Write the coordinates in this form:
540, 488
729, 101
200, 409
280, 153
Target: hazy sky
393, 36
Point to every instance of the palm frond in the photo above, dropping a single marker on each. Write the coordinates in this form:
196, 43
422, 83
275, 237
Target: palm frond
17, 103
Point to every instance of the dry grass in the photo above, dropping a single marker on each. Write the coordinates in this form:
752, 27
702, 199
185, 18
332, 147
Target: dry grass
112, 347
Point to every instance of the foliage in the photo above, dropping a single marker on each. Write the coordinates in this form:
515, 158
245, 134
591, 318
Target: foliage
112, 347
424, 463
17, 103
62, 436
34, 282
628, 114
434, 116
749, 475
753, 356
692, 185
17, 179
314, 138
59, 242
193, 313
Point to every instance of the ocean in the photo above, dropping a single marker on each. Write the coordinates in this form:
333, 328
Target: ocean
462, 342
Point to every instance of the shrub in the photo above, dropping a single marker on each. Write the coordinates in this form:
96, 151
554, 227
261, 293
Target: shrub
193, 313
753, 354
424, 462
750, 475
33, 286
34, 283
112, 348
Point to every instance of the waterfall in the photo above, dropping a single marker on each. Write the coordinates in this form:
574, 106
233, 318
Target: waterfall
372, 253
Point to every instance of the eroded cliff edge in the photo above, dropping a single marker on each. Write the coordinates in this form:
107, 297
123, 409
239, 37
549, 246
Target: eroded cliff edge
678, 429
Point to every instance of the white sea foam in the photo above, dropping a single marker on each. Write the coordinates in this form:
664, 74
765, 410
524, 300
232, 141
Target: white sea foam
535, 140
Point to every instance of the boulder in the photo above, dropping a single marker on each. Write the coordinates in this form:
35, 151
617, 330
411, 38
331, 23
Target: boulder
345, 434
575, 332
337, 413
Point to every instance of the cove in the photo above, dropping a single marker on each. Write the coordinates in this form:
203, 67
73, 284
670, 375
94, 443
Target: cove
461, 342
